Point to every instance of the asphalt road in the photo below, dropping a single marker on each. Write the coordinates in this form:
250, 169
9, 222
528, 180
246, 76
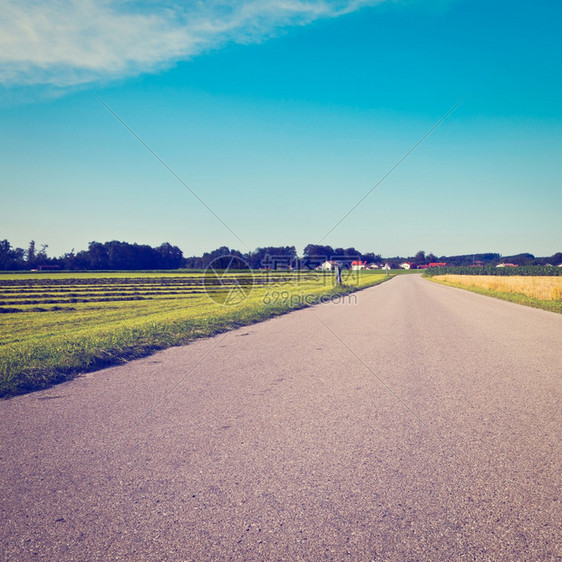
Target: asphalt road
421, 423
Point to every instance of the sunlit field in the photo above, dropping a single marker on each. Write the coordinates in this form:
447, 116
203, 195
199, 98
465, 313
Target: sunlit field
56, 325
544, 288
539, 291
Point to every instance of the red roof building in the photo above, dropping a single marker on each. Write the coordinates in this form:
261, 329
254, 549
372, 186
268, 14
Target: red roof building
356, 265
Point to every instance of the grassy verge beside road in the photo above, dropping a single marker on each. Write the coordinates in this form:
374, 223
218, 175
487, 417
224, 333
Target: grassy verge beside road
538, 291
54, 326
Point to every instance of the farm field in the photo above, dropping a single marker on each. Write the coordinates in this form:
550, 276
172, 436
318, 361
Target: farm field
538, 291
56, 325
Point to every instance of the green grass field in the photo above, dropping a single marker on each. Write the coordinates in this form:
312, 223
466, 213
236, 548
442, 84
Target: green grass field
56, 325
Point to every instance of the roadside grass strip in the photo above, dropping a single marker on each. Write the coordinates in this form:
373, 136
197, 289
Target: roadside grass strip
538, 291
46, 336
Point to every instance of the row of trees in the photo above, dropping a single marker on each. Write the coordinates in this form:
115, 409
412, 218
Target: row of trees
491, 259
107, 255
274, 257
281, 257
18, 258
122, 255
345, 255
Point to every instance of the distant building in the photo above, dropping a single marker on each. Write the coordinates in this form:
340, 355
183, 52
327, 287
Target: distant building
328, 265
358, 265
433, 264
507, 265
372, 266
407, 265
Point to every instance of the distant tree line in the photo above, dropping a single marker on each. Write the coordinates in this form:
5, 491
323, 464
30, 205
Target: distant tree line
273, 257
490, 259
117, 255
282, 257
106, 255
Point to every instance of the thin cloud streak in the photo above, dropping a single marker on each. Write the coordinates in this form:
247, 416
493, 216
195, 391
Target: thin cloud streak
66, 43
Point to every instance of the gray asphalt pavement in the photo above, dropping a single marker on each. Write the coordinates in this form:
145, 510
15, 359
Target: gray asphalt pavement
421, 423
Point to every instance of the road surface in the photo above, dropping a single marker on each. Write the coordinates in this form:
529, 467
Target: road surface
421, 423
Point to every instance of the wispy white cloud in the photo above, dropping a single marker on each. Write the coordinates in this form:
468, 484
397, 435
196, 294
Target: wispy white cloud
65, 43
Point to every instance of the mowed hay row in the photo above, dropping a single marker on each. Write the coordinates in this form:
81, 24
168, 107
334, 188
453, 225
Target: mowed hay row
14, 290
26, 297
33, 295
56, 297
96, 294
542, 288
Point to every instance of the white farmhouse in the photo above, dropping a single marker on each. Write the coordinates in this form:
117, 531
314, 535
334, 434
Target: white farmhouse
327, 266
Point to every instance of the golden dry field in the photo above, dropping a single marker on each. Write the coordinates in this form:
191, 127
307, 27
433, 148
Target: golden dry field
541, 288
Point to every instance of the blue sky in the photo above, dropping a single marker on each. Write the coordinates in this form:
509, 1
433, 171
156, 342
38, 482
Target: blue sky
280, 116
